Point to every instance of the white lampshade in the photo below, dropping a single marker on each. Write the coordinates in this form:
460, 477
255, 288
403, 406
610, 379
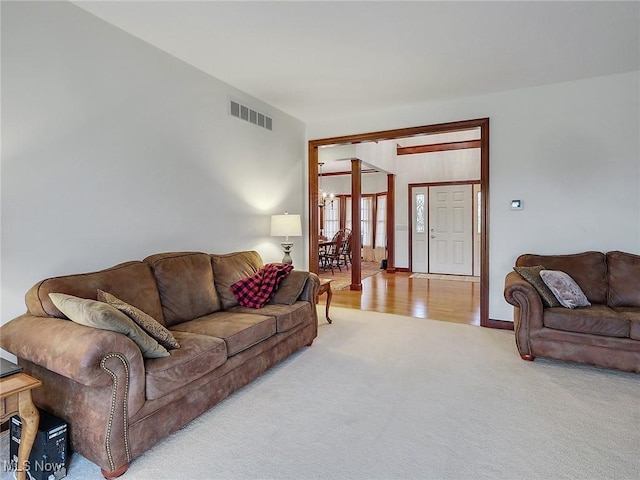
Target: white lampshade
286, 225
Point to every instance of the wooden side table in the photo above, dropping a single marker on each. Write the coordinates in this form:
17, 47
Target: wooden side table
15, 397
325, 287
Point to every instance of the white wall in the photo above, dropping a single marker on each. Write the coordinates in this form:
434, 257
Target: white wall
379, 154
341, 184
447, 166
113, 150
336, 152
571, 151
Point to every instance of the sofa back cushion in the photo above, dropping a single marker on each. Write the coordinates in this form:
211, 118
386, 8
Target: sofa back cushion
588, 269
133, 282
231, 267
185, 284
624, 279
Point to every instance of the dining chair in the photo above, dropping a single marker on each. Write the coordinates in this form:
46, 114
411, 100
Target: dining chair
330, 256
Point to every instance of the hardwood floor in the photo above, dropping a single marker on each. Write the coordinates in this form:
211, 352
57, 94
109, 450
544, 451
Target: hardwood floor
447, 300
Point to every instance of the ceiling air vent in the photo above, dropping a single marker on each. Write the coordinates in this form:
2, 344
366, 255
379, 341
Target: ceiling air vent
250, 115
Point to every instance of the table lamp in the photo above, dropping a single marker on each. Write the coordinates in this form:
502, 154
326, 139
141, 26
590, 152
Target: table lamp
286, 226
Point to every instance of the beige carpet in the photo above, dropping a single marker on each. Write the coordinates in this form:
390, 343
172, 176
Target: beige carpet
380, 396
342, 280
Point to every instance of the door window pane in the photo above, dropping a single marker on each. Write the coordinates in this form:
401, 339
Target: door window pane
420, 198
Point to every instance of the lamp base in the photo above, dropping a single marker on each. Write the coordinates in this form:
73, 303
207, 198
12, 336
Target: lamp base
286, 246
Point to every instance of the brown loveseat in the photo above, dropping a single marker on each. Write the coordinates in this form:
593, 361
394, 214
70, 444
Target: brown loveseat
605, 334
119, 404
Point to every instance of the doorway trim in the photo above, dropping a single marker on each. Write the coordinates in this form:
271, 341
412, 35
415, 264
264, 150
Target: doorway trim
482, 124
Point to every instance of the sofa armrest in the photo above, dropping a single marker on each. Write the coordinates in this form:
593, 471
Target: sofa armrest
82, 354
311, 288
528, 312
310, 293
93, 378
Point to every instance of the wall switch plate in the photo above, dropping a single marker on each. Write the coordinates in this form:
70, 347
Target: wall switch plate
517, 204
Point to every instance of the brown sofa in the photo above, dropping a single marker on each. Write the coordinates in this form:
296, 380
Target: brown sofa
119, 404
605, 334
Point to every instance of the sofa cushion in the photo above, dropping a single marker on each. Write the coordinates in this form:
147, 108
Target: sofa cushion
287, 316
185, 284
132, 282
565, 289
623, 273
144, 321
240, 331
532, 275
92, 313
231, 267
633, 314
198, 355
588, 269
596, 320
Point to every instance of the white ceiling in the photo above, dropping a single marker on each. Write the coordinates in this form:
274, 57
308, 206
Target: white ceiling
321, 60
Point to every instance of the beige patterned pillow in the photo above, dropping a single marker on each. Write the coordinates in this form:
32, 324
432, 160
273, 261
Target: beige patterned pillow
532, 275
566, 290
144, 321
93, 313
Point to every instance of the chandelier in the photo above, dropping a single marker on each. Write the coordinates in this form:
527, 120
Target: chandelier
324, 197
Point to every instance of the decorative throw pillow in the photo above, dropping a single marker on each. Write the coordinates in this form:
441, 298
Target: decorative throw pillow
290, 288
566, 290
255, 291
92, 313
532, 275
144, 321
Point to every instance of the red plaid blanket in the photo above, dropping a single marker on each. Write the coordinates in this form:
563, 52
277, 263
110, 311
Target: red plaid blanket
255, 291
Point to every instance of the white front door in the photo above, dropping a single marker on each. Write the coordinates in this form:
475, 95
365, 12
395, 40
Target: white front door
451, 229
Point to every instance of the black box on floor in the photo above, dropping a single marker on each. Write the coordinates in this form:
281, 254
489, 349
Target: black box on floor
48, 459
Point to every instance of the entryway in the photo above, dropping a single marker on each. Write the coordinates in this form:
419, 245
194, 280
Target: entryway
398, 227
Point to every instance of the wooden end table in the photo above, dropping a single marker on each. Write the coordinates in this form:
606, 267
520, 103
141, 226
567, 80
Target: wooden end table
15, 397
325, 287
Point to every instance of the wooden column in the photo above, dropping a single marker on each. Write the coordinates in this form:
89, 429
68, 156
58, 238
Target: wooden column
391, 222
314, 198
356, 228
